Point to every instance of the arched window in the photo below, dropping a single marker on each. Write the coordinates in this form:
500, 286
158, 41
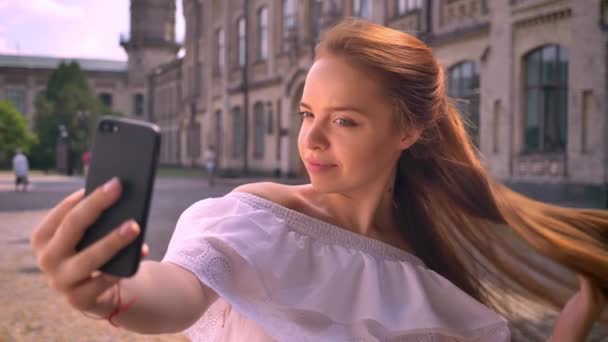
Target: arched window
546, 98
464, 87
241, 42
260, 130
238, 133
263, 33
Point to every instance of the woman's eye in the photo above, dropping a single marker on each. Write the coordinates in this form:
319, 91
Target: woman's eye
344, 122
304, 115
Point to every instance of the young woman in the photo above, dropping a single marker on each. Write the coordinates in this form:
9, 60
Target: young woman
401, 234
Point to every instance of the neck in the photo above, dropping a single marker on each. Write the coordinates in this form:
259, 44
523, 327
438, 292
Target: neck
368, 210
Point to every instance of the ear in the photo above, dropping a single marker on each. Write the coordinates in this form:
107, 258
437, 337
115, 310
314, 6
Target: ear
409, 137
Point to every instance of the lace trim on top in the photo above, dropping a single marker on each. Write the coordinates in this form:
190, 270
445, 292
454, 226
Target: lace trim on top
327, 232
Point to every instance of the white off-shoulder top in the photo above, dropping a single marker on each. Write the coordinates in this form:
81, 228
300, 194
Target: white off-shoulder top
284, 276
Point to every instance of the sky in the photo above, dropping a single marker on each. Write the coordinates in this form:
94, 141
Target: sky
68, 28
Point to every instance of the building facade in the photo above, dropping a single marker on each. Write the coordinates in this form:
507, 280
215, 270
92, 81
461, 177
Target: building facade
529, 75
22, 78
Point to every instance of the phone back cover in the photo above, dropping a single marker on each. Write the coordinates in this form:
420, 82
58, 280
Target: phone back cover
131, 155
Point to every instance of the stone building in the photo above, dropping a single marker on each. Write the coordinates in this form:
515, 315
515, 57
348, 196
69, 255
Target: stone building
23, 77
529, 75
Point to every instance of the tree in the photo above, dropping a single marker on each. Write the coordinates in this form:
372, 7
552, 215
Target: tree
14, 132
67, 102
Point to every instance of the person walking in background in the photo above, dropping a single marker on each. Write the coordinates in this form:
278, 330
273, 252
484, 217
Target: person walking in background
21, 169
86, 160
210, 162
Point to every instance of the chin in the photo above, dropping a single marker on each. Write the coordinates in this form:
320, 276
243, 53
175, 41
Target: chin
328, 185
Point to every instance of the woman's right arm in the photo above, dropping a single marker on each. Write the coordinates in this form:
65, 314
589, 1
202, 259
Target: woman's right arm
167, 297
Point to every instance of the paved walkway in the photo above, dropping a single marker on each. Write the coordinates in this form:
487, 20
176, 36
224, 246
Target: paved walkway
31, 311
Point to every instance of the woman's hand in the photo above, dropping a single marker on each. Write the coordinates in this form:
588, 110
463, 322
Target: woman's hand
580, 312
73, 274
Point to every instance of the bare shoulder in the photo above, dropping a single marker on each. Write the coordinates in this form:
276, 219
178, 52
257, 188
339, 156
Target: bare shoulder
282, 194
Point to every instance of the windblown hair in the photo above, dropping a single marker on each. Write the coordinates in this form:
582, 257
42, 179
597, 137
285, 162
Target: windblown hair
461, 222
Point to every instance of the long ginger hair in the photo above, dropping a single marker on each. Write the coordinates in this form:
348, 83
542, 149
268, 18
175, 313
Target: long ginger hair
460, 221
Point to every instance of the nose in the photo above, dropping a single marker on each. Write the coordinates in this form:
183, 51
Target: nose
314, 135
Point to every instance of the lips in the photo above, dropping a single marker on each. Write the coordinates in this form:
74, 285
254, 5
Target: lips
319, 163
315, 166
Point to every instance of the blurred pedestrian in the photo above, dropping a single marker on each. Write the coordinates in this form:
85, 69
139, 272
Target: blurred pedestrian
211, 163
86, 160
21, 170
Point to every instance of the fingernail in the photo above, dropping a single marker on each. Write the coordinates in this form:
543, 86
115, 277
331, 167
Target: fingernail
129, 229
111, 185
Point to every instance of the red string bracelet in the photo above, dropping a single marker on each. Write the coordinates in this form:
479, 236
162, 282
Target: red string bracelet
118, 309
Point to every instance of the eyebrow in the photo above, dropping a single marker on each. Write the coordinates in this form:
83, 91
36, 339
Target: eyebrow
337, 108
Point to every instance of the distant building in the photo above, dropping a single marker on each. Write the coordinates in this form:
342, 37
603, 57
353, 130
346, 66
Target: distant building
120, 85
23, 77
530, 75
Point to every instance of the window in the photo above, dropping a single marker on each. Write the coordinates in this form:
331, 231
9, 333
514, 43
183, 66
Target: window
138, 104
464, 87
221, 52
289, 22
259, 134
263, 33
238, 133
241, 46
546, 99
317, 11
106, 99
17, 98
362, 9
270, 118
404, 6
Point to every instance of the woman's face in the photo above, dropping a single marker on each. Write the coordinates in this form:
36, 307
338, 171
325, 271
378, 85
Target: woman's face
348, 138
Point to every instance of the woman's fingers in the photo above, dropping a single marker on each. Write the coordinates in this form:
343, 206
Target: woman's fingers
592, 296
78, 220
47, 228
80, 266
145, 250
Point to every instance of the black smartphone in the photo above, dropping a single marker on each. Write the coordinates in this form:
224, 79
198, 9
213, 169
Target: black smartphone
127, 149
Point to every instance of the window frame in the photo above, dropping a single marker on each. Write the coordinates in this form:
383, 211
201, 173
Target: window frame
259, 127
263, 33
550, 93
241, 43
467, 95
